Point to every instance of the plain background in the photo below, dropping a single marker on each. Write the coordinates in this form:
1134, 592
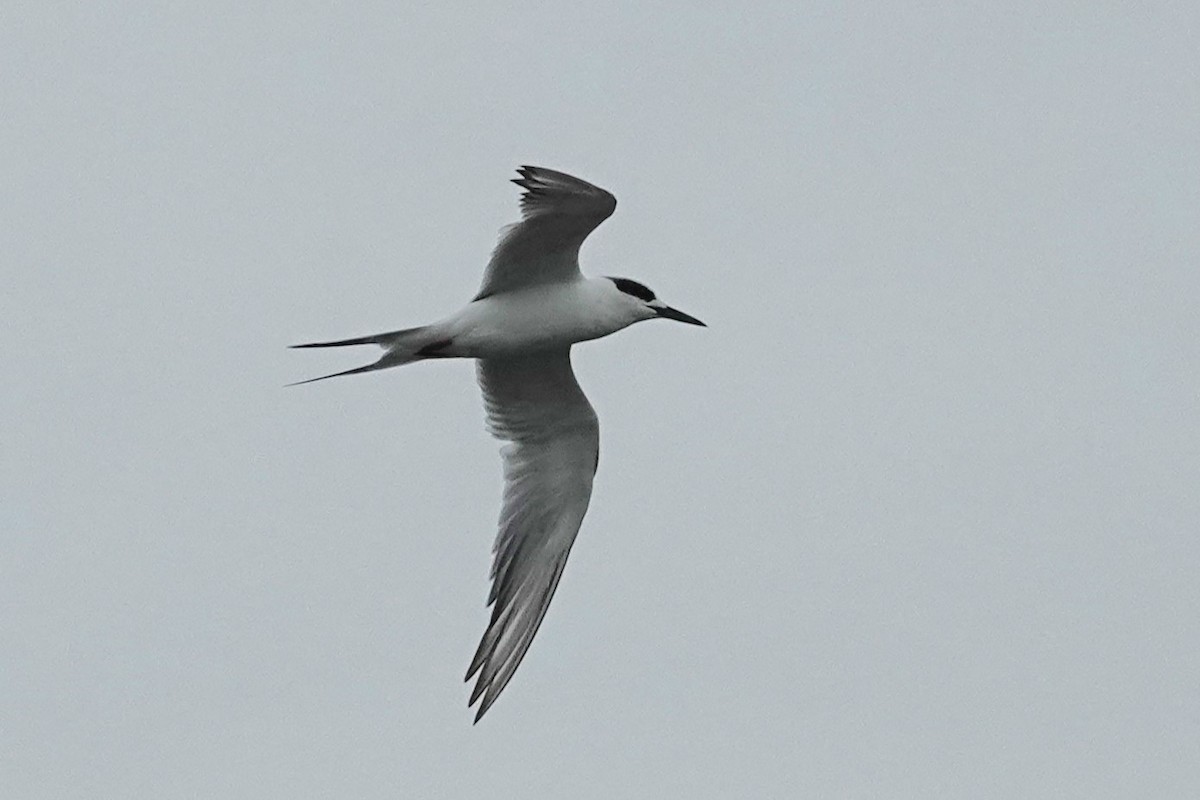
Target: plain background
915, 517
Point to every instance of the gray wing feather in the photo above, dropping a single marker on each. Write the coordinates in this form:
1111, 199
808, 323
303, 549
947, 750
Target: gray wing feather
535, 403
558, 212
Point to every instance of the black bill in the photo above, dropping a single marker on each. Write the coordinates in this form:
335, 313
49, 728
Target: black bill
666, 312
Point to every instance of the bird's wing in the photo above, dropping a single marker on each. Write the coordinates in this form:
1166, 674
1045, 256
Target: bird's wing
535, 403
558, 212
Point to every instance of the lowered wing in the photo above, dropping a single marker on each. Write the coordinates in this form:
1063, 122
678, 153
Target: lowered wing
534, 403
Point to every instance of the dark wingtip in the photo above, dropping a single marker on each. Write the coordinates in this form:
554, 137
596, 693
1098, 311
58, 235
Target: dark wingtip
483, 708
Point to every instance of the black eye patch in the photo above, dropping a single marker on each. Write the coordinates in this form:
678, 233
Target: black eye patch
634, 288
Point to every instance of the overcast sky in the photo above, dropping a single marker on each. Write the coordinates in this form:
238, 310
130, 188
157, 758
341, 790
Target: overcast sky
915, 517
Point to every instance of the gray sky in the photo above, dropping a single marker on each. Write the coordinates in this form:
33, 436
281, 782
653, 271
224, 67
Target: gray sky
915, 517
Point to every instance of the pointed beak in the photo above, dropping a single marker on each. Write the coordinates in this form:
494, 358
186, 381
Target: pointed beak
666, 312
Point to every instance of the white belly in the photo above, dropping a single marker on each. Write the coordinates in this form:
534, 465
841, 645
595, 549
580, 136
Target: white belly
534, 319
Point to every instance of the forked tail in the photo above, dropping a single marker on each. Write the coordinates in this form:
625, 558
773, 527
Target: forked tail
400, 347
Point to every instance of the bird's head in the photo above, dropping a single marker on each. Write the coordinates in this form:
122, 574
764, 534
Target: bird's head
639, 303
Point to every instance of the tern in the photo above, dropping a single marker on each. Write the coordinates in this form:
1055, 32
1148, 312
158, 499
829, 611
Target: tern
534, 304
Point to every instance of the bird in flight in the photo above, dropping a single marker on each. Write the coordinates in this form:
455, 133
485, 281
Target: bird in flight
533, 305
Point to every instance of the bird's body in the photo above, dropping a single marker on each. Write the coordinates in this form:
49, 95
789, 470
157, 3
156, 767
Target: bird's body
533, 305
533, 318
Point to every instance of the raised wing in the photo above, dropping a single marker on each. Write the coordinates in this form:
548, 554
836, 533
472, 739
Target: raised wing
535, 403
558, 212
